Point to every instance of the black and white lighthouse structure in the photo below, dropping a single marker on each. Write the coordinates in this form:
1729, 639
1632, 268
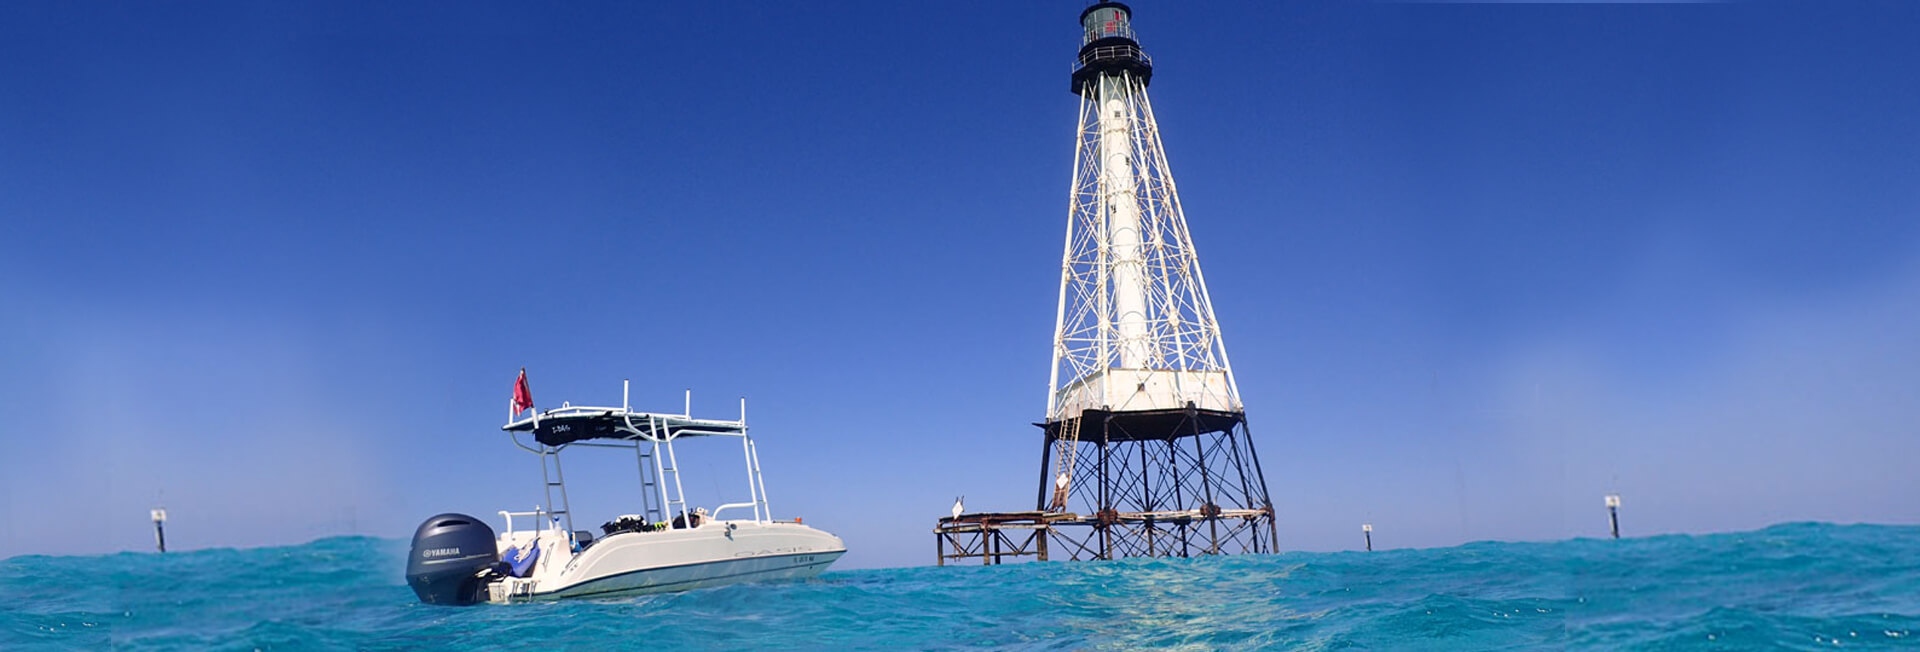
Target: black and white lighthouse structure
1145, 436
1145, 450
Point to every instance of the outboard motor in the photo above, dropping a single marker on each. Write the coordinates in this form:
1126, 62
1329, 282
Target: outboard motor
449, 553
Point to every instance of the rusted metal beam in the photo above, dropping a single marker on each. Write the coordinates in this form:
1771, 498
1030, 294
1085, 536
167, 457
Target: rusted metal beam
1185, 499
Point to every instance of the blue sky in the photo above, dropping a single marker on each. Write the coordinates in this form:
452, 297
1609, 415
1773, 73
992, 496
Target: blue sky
276, 264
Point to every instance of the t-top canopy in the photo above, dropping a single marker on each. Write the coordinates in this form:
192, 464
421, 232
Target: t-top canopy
570, 424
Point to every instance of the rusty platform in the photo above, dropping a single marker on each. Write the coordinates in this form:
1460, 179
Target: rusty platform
993, 537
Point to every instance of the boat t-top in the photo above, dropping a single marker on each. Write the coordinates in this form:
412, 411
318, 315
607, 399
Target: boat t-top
457, 559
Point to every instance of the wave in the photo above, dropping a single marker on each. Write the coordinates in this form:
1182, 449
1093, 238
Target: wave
1791, 586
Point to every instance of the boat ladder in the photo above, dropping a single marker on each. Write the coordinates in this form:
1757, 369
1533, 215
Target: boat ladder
550, 472
650, 496
675, 500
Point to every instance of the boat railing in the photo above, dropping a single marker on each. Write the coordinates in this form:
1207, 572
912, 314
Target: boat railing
535, 515
716, 511
651, 436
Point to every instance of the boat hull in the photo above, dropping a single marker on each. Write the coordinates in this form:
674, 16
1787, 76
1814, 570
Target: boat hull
700, 575
713, 554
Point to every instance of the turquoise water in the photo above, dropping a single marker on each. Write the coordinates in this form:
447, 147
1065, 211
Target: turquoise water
1797, 586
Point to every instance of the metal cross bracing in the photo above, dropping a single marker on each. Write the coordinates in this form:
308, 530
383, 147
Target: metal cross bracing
1132, 295
1164, 494
991, 537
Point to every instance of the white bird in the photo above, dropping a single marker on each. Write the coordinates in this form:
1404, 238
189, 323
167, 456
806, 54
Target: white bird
959, 506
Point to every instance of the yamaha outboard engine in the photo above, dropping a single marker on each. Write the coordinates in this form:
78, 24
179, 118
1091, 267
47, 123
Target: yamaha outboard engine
449, 553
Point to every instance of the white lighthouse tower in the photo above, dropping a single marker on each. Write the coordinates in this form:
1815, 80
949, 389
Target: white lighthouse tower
1135, 328
1146, 431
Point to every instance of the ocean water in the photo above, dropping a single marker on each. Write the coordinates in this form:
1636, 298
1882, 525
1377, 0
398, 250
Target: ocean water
1797, 586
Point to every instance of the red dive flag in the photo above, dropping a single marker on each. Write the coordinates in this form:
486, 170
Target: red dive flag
522, 397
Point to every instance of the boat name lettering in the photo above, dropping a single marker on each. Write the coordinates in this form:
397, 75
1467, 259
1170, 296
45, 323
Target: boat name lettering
773, 551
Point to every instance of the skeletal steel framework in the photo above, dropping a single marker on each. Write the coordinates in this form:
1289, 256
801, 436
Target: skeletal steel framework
1146, 440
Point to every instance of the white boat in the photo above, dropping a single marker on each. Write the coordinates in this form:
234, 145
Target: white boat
457, 559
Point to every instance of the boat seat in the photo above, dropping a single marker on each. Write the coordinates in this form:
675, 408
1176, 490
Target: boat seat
520, 560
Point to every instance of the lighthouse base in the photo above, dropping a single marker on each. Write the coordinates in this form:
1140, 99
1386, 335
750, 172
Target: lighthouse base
1154, 483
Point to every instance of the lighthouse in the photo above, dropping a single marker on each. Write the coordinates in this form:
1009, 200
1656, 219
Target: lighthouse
1144, 424
1145, 450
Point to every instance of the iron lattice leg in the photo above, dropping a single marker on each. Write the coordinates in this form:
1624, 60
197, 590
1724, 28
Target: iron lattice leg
1191, 488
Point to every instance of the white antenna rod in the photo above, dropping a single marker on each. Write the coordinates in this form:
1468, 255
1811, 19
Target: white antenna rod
626, 385
689, 409
743, 409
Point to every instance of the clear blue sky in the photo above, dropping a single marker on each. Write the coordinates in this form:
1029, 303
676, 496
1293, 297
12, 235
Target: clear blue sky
1478, 264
